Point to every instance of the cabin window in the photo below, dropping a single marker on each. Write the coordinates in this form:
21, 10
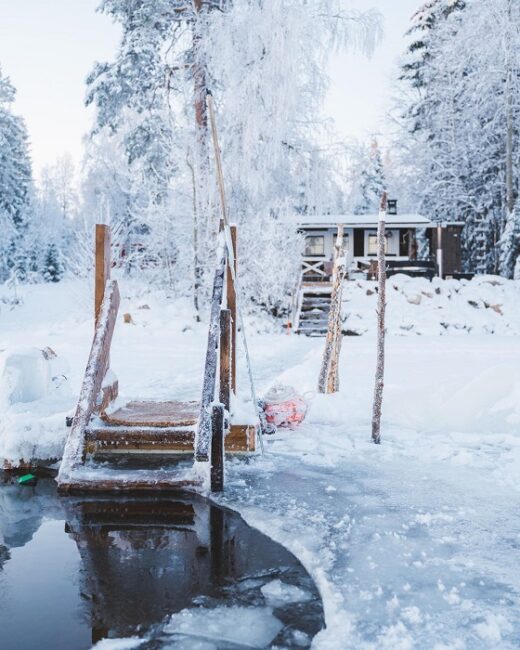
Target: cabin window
315, 246
372, 245
346, 242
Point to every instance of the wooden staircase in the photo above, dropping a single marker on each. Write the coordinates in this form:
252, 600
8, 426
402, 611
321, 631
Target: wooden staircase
148, 427
314, 307
104, 436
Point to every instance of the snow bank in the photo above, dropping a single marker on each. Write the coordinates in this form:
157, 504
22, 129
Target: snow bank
35, 396
485, 305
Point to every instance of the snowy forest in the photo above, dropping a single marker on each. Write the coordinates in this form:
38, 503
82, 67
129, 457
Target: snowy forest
147, 168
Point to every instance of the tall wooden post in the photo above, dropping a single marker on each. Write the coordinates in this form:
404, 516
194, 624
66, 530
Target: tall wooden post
381, 307
225, 358
328, 381
232, 306
217, 448
102, 265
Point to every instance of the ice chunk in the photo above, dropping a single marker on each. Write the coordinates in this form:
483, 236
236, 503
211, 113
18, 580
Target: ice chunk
118, 644
31, 374
278, 593
253, 627
192, 644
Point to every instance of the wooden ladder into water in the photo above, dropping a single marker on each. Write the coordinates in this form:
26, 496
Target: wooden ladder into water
150, 429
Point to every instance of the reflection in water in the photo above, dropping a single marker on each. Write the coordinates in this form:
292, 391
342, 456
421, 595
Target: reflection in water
138, 561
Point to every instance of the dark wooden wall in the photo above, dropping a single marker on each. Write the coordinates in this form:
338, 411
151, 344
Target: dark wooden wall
452, 248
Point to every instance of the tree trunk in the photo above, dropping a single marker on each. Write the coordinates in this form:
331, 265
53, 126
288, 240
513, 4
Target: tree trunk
203, 227
197, 271
380, 365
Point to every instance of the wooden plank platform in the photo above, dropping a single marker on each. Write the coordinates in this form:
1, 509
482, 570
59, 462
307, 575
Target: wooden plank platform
102, 479
154, 414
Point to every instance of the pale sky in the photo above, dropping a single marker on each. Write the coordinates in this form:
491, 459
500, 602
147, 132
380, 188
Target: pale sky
48, 47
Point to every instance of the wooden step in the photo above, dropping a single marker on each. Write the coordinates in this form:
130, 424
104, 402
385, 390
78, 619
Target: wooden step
142, 413
103, 438
100, 478
306, 307
315, 319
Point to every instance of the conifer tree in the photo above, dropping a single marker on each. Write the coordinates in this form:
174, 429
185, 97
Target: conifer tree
15, 184
510, 244
372, 184
52, 270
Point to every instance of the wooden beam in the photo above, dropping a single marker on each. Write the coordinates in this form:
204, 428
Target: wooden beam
240, 439
225, 358
74, 451
232, 306
203, 436
158, 481
217, 448
102, 265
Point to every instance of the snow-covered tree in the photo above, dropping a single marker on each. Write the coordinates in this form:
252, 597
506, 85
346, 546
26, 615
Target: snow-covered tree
510, 244
372, 182
15, 185
265, 62
462, 93
52, 269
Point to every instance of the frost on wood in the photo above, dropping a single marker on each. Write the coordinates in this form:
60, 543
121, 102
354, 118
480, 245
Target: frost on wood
381, 306
203, 435
329, 373
92, 382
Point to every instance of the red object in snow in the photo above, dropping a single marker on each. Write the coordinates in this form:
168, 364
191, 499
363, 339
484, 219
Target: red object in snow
284, 407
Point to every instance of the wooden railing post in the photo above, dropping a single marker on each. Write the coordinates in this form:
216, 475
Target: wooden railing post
217, 448
102, 265
232, 306
203, 435
225, 358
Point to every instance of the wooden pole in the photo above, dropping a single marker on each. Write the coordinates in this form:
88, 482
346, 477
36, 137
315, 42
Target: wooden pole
328, 381
217, 448
380, 365
225, 358
232, 306
102, 266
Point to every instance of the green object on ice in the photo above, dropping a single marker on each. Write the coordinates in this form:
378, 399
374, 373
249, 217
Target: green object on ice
27, 479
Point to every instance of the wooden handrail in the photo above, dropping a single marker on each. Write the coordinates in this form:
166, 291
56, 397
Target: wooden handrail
97, 367
203, 435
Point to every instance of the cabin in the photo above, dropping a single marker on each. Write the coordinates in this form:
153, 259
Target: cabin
403, 232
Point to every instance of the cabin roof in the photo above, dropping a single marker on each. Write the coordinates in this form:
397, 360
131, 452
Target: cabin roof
360, 220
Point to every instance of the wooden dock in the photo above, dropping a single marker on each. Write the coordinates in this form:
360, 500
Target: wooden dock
203, 430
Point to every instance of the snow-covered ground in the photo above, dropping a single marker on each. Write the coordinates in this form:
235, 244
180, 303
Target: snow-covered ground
484, 305
413, 544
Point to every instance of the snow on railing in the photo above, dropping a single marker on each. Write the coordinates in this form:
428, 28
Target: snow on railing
203, 434
97, 367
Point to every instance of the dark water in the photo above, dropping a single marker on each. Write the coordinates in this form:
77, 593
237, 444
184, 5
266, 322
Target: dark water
76, 571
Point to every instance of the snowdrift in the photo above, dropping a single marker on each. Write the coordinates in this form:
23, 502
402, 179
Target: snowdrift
485, 305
